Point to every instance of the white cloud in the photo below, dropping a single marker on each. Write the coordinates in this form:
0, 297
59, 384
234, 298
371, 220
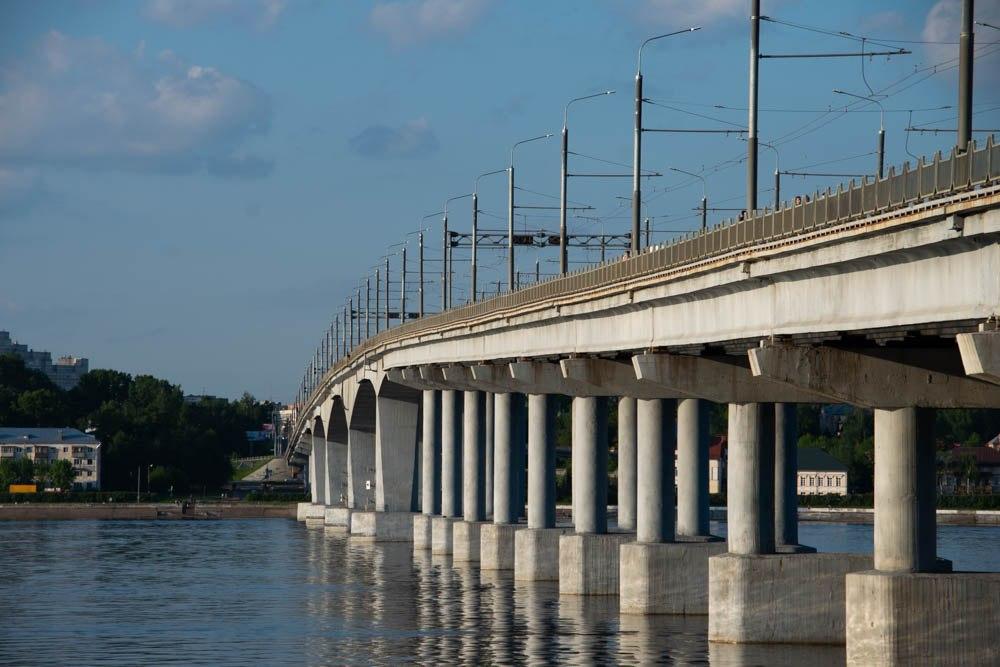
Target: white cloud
944, 24
407, 22
80, 102
260, 14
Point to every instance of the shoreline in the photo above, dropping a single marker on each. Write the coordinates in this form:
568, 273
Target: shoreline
145, 511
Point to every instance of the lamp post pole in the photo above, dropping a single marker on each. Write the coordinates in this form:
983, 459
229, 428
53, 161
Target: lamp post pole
966, 43
752, 108
563, 181
446, 256
402, 290
474, 262
510, 210
637, 141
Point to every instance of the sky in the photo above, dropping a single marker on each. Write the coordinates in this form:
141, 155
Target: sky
192, 188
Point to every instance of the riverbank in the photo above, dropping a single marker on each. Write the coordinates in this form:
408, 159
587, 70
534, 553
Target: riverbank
169, 511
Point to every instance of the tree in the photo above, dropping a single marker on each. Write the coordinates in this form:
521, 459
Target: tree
16, 471
970, 471
41, 473
62, 475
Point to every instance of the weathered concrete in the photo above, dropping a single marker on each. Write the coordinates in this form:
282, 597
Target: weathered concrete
465, 541
382, 526
590, 466
318, 461
541, 463
666, 578
305, 511
779, 598
897, 618
442, 532
692, 467
905, 488
451, 454
536, 553
981, 353
588, 563
750, 478
423, 532
496, 546
656, 434
473, 457
503, 459
488, 460
626, 462
430, 452
786, 477
337, 518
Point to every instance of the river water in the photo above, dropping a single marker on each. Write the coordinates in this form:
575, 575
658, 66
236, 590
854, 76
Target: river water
271, 591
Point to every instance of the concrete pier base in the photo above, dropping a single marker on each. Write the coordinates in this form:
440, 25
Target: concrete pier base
588, 562
666, 578
496, 546
382, 526
441, 535
465, 541
536, 553
423, 535
337, 519
304, 511
780, 598
904, 618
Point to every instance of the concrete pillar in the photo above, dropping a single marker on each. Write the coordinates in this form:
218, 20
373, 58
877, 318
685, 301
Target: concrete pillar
541, 463
692, 467
503, 460
490, 473
519, 409
626, 463
396, 434
750, 486
590, 464
905, 521
451, 454
656, 437
430, 470
786, 473
319, 462
473, 456
311, 475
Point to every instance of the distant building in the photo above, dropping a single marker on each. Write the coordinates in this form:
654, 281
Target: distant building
717, 456
50, 445
65, 373
820, 472
952, 476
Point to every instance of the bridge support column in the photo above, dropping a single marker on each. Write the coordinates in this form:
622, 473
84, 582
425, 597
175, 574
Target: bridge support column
894, 611
430, 470
466, 534
588, 557
786, 474
496, 551
626, 463
318, 460
451, 473
536, 548
659, 575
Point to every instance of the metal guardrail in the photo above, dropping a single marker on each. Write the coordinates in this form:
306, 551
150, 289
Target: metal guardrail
959, 172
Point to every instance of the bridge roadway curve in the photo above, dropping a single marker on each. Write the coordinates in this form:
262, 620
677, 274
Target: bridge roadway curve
884, 299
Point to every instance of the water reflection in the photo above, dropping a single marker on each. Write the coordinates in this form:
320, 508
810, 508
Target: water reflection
271, 592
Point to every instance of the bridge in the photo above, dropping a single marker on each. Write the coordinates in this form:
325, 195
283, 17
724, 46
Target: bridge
882, 294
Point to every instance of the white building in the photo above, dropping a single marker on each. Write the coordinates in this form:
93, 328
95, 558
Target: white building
65, 372
820, 472
50, 445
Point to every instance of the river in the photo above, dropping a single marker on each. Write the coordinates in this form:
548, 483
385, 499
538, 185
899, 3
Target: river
270, 591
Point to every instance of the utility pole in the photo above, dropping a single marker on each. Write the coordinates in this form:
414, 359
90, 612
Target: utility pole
387, 292
473, 261
368, 307
965, 48
420, 261
444, 264
402, 290
378, 298
360, 337
752, 108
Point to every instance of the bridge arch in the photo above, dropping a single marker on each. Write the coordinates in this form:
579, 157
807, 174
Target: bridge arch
361, 448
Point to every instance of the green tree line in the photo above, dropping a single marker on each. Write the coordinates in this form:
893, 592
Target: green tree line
143, 423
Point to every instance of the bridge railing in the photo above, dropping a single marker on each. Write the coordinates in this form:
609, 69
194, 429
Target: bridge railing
942, 176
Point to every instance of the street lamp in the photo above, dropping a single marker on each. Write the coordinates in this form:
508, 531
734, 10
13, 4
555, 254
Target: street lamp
563, 258
420, 260
473, 262
881, 127
510, 209
637, 140
704, 195
445, 258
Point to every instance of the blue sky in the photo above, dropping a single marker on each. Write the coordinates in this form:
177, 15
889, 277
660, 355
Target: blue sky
191, 188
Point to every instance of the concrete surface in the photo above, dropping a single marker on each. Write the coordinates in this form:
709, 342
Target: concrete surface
780, 598
903, 618
465, 539
666, 578
588, 563
337, 518
496, 546
423, 533
441, 535
382, 526
536, 553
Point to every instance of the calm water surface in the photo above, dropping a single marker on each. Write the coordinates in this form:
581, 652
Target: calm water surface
270, 591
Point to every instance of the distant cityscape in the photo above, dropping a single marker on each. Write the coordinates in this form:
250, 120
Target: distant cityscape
65, 372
